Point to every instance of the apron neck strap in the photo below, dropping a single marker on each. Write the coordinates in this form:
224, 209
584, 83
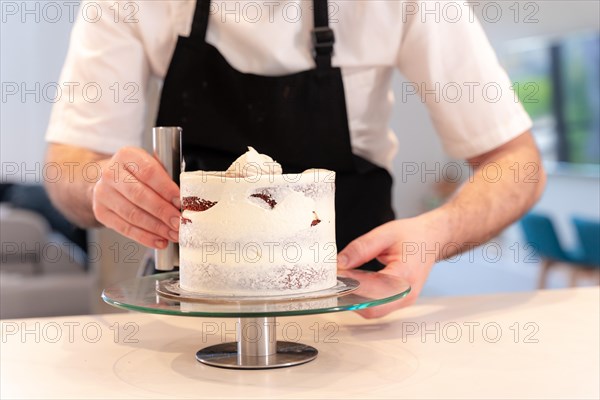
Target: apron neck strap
200, 22
323, 38
322, 35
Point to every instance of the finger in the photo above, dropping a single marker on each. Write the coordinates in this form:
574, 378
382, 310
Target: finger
400, 271
113, 221
150, 171
148, 200
117, 203
366, 247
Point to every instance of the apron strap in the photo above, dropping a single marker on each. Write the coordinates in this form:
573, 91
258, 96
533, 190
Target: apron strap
200, 23
322, 35
323, 38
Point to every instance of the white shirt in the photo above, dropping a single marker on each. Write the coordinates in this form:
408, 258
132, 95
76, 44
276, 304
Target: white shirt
449, 61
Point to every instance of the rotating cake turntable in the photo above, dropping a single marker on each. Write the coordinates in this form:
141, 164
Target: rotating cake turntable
256, 346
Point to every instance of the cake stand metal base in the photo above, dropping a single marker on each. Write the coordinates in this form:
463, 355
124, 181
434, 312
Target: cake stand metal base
256, 348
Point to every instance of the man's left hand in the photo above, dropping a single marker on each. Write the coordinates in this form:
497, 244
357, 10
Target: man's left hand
407, 247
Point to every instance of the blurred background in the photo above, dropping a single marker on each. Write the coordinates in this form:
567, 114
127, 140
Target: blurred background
551, 52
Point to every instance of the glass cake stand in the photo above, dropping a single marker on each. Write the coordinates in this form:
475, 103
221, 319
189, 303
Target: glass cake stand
256, 346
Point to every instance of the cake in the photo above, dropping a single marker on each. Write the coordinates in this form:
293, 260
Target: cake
254, 231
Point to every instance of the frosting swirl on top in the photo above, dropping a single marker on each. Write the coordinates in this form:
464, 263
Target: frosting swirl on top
252, 163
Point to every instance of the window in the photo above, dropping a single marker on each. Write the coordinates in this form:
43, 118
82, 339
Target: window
558, 82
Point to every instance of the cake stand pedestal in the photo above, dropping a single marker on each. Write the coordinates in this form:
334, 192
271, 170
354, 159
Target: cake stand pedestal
256, 346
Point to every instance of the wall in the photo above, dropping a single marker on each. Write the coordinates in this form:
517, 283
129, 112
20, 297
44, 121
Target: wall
32, 51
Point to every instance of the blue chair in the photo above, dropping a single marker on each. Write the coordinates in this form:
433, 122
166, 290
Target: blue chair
540, 233
588, 233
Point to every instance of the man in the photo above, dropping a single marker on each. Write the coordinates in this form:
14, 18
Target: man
236, 80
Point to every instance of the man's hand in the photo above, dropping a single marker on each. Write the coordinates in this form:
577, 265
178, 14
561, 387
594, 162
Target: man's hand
478, 211
137, 198
407, 247
129, 192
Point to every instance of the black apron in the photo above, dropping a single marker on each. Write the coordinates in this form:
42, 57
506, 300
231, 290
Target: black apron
298, 119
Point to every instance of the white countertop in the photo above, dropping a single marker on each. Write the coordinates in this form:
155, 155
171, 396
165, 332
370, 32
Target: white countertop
542, 344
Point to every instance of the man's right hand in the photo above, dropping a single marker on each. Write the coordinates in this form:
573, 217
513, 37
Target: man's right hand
137, 198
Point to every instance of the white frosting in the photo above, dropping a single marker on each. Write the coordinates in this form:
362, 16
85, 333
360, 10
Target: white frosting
253, 163
264, 233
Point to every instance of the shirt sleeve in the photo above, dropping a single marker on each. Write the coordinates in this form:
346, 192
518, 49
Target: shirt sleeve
102, 104
451, 65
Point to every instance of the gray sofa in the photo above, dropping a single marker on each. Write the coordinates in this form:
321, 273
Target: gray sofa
41, 272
